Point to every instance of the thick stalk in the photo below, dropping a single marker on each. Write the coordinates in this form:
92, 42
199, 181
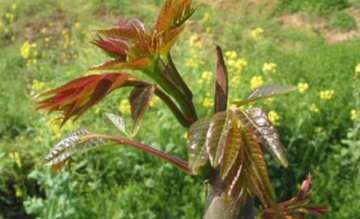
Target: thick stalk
221, 207
162, 77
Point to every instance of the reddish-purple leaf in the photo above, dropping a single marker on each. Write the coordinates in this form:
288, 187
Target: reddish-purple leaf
197, 153
75, 97
266, 134
116, 48
213, 135
174, 13
229, 146
140, 99
221, 87
266, 92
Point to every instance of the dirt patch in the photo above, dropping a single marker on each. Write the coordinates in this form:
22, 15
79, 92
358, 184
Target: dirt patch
320, 26
335, 36
294, 20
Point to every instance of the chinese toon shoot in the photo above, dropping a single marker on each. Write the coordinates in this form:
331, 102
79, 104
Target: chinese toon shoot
226, 149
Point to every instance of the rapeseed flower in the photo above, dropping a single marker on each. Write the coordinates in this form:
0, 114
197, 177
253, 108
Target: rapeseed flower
230, 55
235, 81
313, 108
327, 94
274, 117
256, 82
207, 103
318, 130
354, 114
25, 50
205, 77
269, 67
357, 68
18, 191
303, 87
124, 107
257, 33
10, 17
195, 41
192, 63
36, 87
15, 156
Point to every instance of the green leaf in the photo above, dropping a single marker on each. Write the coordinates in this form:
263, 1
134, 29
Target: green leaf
266, 92
257, 120
140, 99
213, 135
118, 122
198, 156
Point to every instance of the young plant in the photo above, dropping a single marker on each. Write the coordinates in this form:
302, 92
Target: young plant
225, 149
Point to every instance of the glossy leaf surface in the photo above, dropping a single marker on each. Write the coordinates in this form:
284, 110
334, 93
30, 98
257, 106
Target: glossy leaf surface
267, 135
197, 153
266, 92
140, 99
77, 96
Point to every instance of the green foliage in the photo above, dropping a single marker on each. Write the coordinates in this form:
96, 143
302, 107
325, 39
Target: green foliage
343, 21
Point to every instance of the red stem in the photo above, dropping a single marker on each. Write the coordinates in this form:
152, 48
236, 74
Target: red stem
183, 165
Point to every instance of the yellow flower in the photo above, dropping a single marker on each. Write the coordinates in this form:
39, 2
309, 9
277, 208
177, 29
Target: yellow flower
10, 17
18, 192
238, 64
357, 68
354, 114
256, 81
124, 107
25, 50
269, 67
318, 130
327, 94
77, 25
13, 7
154, 101
44, 30
37, 86
313, 108
257, 33
357, 71
208, 102
274, 117
185, 135
303, 87
205, 77
230, 55
235, 81
195, 41
205, 17
16, 157
191, 63
97, 110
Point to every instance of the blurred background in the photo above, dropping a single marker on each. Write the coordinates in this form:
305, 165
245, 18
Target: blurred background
313, 44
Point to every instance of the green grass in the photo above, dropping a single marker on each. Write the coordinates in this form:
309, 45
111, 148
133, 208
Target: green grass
343, 21
124, 183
